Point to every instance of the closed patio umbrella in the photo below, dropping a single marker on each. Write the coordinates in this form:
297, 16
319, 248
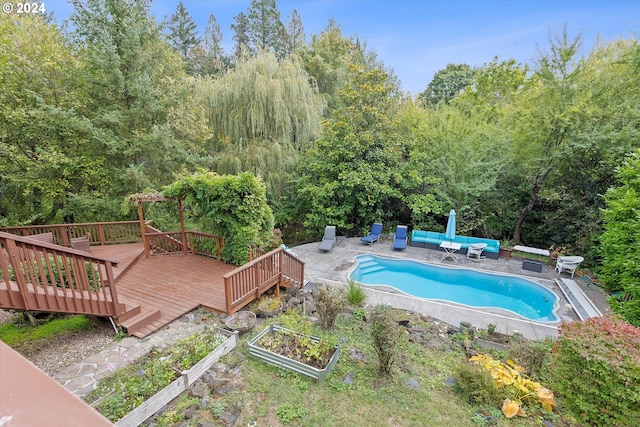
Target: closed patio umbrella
451, 225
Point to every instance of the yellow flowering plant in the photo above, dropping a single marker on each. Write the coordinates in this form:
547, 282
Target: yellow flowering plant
525, 390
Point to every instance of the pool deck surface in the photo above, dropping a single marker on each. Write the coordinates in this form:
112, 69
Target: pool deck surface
333, 268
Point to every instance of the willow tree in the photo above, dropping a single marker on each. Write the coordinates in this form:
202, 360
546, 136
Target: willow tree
262, 114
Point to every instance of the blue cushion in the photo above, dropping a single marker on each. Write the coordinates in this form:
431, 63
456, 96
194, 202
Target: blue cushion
435, 238
418, 236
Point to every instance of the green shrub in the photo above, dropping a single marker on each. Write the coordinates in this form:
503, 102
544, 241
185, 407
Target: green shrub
533, 355
287, 413
355, 294
385, 333
360, 313
476, 384
330, 300
595, 366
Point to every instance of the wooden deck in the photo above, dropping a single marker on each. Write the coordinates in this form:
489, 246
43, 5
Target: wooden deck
173, 285
113, 278
164, 286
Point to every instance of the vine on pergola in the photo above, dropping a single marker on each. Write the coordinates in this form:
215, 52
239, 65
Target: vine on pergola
232, 206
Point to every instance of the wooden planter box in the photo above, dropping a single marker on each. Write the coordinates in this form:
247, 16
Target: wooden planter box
287, 363
180, 384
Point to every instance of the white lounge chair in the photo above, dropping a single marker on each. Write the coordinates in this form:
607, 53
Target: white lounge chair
568, 264
329, 239
474, 252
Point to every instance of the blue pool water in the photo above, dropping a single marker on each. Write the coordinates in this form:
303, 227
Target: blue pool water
463, 286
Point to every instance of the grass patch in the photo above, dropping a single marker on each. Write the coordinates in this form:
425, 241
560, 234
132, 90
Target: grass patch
272, 396
18, 333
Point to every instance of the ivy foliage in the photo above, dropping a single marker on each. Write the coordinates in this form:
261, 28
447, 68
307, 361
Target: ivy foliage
620, 262
232, 206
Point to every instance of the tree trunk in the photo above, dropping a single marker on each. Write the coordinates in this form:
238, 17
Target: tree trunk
533, 201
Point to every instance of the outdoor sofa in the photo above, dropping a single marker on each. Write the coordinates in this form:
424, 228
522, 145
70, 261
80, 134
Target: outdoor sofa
432, 240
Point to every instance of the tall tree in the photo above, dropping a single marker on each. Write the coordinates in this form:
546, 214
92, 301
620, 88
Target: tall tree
241, 40
209, 58
49, 153
213, 43
183, 32
447, 84
352, 175
543, 117
295, 33
265, 30
137, 86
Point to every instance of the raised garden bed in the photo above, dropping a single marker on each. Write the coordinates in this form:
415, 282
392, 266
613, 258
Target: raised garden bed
144, 377
290, 350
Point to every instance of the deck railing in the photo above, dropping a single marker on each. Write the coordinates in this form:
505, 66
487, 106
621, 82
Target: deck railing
106, 233
44, 277
100, 233
195, 242
248, 282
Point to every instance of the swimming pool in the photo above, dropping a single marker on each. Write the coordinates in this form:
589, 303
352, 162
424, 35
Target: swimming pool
464, 286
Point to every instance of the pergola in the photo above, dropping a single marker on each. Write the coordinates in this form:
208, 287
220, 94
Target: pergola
157, 197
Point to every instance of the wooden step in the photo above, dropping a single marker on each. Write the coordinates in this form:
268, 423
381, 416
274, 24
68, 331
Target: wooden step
140, 320
130, 311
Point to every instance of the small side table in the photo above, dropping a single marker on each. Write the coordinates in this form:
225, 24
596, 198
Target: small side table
450, 249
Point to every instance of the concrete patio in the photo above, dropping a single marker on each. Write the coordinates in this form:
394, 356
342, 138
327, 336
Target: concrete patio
333, 268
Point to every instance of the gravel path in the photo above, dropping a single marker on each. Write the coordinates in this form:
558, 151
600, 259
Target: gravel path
61, 351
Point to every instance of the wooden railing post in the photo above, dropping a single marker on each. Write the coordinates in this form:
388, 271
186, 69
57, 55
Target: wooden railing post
101, 234
183, 234
227, 293
112, 288
12, 253
64, 235
143, 230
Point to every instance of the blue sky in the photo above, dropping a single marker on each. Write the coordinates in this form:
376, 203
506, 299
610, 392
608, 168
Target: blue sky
417, 38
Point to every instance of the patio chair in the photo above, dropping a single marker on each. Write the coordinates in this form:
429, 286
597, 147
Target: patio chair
374, 235
568, 264
474, 252
43, 237
81, 243
329, 238
400, 239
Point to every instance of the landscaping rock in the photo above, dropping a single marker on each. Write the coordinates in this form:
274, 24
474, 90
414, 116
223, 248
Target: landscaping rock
450, 381
416, 337
356, 355
437, 343
190, 412
350, 378
220, 385
293, 301
413, 384
310, 306
198, 389
231, 416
